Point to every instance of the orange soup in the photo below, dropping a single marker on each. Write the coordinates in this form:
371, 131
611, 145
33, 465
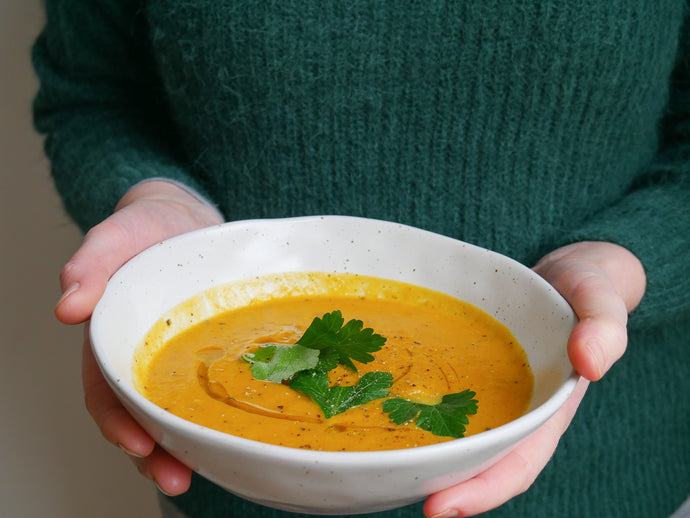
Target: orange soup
192, 364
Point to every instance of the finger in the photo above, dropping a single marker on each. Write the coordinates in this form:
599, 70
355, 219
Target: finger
602, 282
118, 427
510, 476
600, 337
115, 423
169, 474
595, 345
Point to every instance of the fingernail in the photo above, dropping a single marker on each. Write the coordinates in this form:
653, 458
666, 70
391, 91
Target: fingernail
71, 289
159, 489
447, 513
129, 452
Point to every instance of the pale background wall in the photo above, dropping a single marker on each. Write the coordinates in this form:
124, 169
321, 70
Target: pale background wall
53, 461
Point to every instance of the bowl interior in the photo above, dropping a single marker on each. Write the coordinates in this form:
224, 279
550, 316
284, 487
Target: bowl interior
175, 270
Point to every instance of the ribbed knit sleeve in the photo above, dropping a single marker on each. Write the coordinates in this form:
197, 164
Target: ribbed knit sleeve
101, 107
653, 219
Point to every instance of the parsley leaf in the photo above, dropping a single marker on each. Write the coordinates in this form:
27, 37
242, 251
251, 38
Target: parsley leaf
276, 363
337, 399
349, 341
447, 418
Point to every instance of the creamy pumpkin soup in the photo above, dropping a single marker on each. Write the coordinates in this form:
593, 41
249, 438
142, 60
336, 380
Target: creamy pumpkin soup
406, 366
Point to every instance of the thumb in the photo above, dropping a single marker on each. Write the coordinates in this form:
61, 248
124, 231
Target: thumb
106, 247
148, 213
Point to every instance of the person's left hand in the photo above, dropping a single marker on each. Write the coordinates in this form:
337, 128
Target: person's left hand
602, 282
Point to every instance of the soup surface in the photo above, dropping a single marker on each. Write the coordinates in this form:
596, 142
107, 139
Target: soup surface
436, 345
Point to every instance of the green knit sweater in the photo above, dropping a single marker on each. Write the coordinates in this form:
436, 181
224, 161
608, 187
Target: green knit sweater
518, 126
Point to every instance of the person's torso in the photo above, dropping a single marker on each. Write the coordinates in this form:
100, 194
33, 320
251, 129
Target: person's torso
500, 123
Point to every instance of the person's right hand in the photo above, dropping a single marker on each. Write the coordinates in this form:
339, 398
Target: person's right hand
149, 213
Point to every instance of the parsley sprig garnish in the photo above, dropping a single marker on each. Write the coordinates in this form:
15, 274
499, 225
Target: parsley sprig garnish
447, 418
329, 342
325, 343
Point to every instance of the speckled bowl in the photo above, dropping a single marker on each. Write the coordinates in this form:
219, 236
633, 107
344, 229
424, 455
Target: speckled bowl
331, 482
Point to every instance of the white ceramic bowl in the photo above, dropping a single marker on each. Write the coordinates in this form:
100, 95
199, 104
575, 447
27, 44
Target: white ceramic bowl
331, 482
